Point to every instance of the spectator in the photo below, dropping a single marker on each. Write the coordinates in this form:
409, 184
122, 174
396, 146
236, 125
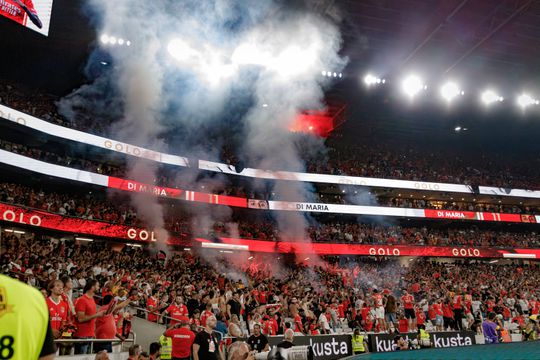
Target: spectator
288, 338
182, 339
206, 345
258, 341
489, 328
87, 313
155, 351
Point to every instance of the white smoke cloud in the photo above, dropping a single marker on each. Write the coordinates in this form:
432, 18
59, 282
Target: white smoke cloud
198, 63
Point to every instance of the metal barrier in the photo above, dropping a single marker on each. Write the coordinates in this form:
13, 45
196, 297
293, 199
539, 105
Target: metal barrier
93, 341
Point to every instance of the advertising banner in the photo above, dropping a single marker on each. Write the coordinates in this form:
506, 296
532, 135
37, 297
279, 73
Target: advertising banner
47, 220
33, 14
325, 347
305, 247
43, 219
384, 342
27, 163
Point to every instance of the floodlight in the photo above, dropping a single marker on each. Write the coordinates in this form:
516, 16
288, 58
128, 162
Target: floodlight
450, 90
370, 79
489, 96
104, 38
525, 100
128, 43
181, 50
412, 85
323, 73
112, 40
120, 41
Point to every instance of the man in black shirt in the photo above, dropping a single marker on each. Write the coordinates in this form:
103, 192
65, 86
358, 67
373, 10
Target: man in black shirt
258, 341
287, 340
206, 345
234, 306
193, 303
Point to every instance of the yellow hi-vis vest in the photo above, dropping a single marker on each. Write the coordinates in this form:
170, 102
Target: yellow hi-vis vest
24, 318
358, 343
166, 347
424, 335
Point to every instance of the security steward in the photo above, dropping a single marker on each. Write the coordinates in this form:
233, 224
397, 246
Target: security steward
359, 343
25, 332
423, 337
166, 347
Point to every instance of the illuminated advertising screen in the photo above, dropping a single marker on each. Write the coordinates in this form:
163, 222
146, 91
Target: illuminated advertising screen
34, 14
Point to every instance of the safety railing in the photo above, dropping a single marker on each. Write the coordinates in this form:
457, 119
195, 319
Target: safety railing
91, 342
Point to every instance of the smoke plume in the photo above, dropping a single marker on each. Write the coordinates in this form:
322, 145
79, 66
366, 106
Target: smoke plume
215, 72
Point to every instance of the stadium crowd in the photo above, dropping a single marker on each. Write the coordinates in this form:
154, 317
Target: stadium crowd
247, 294
97, 207
369, 160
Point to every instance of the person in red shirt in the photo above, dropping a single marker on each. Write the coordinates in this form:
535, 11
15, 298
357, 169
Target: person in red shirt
298, 327
86, 310
270, 326
458, 311
408, 304
403, 324
420, 316
182, 338
439, 319
58, 308
448, 315
106, 325
20, 11
176, 310
206, 314
152, 307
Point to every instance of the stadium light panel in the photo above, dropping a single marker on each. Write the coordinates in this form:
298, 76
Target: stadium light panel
112, 40
490, 96
370, 79
104, 39
525, 100
412, 85
450, 90
120, 41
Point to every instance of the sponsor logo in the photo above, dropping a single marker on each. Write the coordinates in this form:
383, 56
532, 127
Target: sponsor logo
21, 218
132, 150
141, 234
386, 344
426, 186
451, 341
19, 120
328, 348
466, 252
384, 251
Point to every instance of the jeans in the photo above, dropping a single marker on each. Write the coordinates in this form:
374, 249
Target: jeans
82, 347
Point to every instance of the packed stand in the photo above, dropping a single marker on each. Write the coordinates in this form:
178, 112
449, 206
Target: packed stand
240, 296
